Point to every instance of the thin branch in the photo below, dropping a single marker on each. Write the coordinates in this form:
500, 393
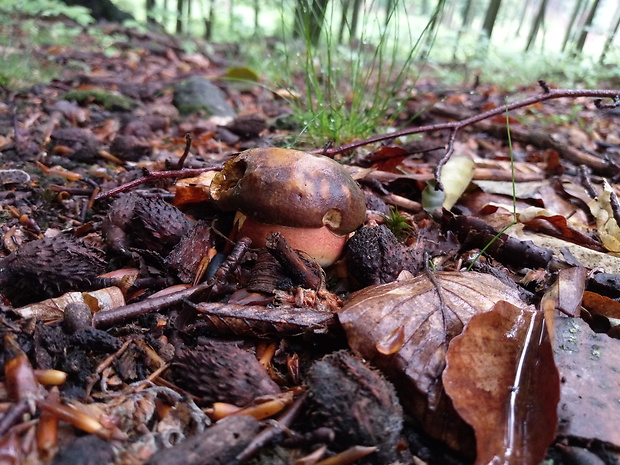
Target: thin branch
455, 126
180, 174
188, 145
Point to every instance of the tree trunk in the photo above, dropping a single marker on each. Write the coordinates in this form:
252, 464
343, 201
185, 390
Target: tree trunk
491, 16
309, 17
448, 18
355, 16
102, 10
571, 24
209, 19
586, 27
389, 10
540, 18
164, 20
466, 14
343, 19
257, 4
179, 24
523, 16
149, 6
188, 16
612, 35
431, 31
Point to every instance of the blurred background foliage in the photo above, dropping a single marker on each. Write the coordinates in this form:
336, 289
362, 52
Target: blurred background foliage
346, 66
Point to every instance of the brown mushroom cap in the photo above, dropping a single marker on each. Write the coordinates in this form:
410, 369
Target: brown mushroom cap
290, 188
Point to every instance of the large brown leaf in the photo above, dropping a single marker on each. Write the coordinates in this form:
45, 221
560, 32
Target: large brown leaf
405, 327
502, 380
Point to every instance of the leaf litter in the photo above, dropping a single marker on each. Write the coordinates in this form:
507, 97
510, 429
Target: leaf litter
120, 134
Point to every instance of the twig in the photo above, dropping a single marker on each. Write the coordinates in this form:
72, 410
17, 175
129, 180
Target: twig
188, 145
13, 415
292, 263
586, 181
605, 106
184, 173
269, 434
455, 126
615, 206
110, 317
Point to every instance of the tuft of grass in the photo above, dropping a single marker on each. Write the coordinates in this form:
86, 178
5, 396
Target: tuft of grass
398, 224
346, 92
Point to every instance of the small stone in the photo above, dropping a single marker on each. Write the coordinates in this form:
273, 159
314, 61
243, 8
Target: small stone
77, 316
197, 93
247, 126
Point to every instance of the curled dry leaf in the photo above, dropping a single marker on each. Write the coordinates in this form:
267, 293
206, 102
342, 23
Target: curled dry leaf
606, 225
53, 309
421, 315
502, 380
567, 290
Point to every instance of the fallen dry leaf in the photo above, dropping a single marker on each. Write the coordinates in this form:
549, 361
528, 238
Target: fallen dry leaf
430, 309
586, 257
601, 305
53, 309
607, 227
502, 380
567, 290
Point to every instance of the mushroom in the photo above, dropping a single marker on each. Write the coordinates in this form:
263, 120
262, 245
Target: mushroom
310, 199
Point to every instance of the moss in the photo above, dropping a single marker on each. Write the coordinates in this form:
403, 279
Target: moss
109, 101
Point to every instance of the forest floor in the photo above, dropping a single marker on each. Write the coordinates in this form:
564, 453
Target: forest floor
394, 354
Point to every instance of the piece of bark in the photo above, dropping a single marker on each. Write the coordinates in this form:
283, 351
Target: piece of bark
186, 257
222, 372
217, 445
94, 339
358, 404
292, 262
47, 268
267, 275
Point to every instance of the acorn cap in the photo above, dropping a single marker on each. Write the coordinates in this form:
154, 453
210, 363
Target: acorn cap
290, 188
